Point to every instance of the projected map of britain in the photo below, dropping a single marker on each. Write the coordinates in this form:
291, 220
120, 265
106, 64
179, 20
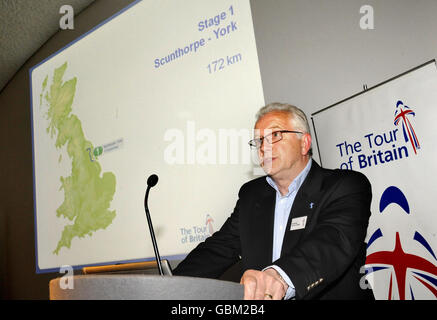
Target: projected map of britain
87, 193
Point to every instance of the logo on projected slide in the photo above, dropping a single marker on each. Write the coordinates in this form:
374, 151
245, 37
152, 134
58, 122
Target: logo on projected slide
209, 224
409, 269
197, 233
402, 115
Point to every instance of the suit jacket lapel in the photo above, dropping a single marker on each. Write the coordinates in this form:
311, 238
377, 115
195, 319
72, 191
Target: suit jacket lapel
264, 219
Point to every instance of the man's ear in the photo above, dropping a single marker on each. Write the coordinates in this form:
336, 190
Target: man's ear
305, 143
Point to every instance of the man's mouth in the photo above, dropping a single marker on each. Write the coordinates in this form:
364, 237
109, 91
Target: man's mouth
269, 160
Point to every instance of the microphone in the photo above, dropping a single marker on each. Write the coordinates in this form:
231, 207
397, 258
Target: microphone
151, 182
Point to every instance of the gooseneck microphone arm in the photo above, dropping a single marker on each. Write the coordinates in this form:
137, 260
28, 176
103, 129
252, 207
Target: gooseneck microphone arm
151, 182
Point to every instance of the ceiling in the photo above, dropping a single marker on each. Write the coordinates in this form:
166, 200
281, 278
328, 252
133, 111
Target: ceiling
25, 25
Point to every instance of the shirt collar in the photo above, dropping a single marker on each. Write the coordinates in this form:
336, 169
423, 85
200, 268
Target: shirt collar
296, 183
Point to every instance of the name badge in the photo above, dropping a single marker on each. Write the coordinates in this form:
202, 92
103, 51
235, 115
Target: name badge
298, 223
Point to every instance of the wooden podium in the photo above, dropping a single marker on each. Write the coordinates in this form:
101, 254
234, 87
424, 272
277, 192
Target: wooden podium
145, 287
135, 282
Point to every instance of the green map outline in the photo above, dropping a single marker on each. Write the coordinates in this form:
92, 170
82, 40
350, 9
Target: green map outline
87, 193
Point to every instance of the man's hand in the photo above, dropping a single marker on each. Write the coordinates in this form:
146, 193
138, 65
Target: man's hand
263, 285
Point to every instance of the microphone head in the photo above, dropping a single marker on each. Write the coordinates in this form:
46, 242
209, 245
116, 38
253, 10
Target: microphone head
152, 180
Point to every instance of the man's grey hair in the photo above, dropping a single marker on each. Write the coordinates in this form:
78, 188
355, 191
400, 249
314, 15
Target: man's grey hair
299, 119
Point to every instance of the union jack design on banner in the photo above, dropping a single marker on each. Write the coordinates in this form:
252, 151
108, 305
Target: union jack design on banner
399, 261
407, 128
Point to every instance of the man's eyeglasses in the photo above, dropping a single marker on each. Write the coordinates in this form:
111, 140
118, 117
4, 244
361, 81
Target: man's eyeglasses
273, 137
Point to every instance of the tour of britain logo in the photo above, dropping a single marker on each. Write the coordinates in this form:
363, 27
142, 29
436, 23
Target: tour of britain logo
197, 233
401, 116
382, 147
404, 267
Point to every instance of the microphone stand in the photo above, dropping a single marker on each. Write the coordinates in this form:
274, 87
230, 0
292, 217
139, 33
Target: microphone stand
152, 233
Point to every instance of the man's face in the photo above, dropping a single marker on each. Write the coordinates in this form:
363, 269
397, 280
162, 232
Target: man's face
284, 158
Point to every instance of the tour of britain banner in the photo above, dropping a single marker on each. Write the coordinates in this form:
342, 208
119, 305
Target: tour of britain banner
387, 132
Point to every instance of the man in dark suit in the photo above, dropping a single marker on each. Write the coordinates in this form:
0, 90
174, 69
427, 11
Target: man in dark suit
300, 230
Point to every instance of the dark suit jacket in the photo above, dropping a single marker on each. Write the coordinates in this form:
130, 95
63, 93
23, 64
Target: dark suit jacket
323, 260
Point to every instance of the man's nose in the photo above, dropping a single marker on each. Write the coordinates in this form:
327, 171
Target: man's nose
266, 147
